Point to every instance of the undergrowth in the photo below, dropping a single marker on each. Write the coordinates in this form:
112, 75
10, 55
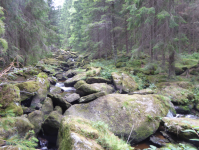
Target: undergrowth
107, 68
109, 140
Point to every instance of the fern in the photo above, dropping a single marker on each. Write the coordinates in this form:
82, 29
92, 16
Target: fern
28, 142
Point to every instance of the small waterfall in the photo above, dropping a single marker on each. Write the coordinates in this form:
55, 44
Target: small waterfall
60, 84
170, 114
68, 89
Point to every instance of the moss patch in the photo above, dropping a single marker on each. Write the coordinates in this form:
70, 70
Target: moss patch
85, 131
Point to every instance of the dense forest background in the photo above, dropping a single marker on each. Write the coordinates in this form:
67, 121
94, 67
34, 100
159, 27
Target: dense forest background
164, 30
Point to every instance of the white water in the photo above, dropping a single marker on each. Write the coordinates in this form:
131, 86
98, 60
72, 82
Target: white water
59, 84
170, 114
68, 89
65, 89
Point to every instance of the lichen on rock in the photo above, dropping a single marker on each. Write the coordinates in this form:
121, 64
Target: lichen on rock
123, 112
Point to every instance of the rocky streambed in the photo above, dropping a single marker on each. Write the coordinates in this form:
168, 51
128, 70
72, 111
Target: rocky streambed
70, 106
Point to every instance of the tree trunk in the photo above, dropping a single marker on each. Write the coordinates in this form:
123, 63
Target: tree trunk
113, 40
171, 64
126, 32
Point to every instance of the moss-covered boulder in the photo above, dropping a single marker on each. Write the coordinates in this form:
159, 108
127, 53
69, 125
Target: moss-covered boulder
10, 100
12, 108
27, 110
72, 98
91, 71
71, 81
58, 109
55, 90
44, 84
91, 80
185, 64
77, 133
177, 126
47, 106
59, 101
142, 92
91, 97
184, 109
124, 83
28, 89
14, 125
83, 88
178, 92
123, 112
52, 80
70, 73
60, 76
36, 118
8, 94
52, 123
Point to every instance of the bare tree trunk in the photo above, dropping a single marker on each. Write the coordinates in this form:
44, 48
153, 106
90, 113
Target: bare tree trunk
126, 32
172, 64
113, 39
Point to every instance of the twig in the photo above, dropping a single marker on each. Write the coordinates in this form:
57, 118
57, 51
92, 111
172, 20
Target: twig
130, 134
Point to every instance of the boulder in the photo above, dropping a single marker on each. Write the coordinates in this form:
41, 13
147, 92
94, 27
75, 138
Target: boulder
91, 97
71, 81
14, 125
124, 83
77, 133
27, 110
70, 73
59, 101
36, 118
52, 123
158, 141
178, 126
28, 89
91, 80
60, 76
55, 90
10, 100
142, 92
123, 113
72, 98
178, 92
44, 84
47, 107
52, 80
83, 88
180, 109
58, 109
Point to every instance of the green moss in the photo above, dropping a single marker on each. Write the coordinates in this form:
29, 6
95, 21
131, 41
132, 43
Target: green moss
29, 86
186, 63
79, 83
8, 94
17, 110
88, 132
42, 75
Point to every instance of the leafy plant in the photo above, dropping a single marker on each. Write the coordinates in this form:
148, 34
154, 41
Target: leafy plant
28, 142
193, 130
